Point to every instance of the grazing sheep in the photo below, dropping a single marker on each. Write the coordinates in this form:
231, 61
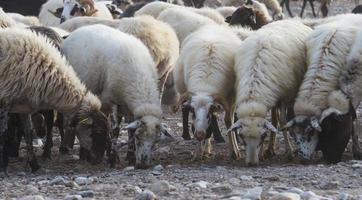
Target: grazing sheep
327, 50
205, 79
121, 71
92, 8
269, 66
50, 12
226, 11
27, 20
5, 20
160, 39
183, 21
247, 18
29, 66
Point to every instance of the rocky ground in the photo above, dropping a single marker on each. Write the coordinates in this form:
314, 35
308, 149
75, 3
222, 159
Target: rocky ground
175, 176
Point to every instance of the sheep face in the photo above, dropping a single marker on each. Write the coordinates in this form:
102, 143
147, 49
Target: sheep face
253, 131
305, 132
202, 109
243, 16
93, 133
148, 132
77, 8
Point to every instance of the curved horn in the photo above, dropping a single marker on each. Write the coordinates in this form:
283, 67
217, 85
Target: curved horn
270, 127
238, 124
328, 112
315, 124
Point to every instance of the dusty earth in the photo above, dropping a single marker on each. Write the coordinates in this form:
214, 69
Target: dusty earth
175, 176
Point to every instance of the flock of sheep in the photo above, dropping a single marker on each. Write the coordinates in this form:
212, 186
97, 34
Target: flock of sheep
94, 71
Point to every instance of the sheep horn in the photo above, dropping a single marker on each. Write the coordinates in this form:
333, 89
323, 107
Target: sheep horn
315, 124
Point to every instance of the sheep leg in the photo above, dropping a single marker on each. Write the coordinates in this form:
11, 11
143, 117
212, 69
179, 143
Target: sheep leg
3, 130
270, 152
185, 123
356, 149
234, 151
312, 6
49, 120
287, 6
324, 9
303, 7
28, 135
216, 130
283, 121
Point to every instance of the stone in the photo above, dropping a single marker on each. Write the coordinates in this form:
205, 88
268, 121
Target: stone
253, 194
344, 196
32, 197
246, 178
234, 181
129, 168
295, 190
158, 168
137, 190
199, 184
160, 187
156, 173
329, 185
222, 189
357, 166
31, 189
285, 196
86, 194
83, 181
73, 197
146, 195
57, 181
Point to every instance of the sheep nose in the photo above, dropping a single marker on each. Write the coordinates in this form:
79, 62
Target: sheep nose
200, 135
62, 19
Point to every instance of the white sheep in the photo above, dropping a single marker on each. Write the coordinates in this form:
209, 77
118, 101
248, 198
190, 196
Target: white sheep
275, 8
183, 21
269, 67
205, 79
5, 20
328, 47
211, 14
46, 16
226, 11
121, 72
77, 22
29, 82
27, 20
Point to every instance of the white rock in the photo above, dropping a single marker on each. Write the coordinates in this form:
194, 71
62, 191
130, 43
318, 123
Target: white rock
286, 196
83, 181
344, 196
137, 190
246, 178
32, 197
179, 124
160, 188
308, 195
199, 184
222, 189
73, 197
357, 166
146, 195
57, 181
253, 194
129, 168
235, 198
31, 189
295, 190
234, 181
158, 168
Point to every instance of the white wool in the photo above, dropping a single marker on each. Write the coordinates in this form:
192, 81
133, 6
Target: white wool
327, 50
183, 21
274, 7
242, 32
226, 11
46, 18
6, 20
269, 66
211, 14
339, 101
261, 8
120, 71
77, 22
27, 20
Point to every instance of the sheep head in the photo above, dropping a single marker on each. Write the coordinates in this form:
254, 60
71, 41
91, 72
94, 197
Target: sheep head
77, 8
305, 132
146, 131
253, 131
243, 16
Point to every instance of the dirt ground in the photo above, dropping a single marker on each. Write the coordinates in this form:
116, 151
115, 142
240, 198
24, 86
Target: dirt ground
178, 177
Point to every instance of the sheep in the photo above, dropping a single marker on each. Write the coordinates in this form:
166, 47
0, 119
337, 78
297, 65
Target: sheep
27, 20
23, 7
29, 65
183, 21
5, 20
232, 3
121, 71
226, 11
315, 121
204, 77
247, 17
269, 67
130, 10
211, 14
323, 7
84, 8
77, 22
275, 7
50, 11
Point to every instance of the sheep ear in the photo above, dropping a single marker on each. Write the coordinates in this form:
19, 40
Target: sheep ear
269, 126
315, 124
326, 113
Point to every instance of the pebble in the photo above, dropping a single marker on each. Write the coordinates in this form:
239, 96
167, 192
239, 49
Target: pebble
246, 178
32, 197
146, 195
156, 173
57, 181
137, 190
43, 182
73, 197
199, 184
31, 189
344, 196
295, 190
329, 185
222, 189
285, 196
83, 181
129, 168
234, 181
235, 198
86, 194
161, 187
158, 168
357, 166
253, 194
